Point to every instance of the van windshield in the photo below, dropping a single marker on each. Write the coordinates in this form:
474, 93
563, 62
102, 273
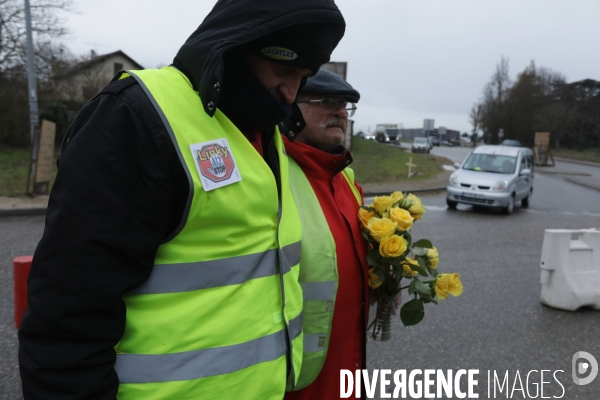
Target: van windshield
420, 140
491, 163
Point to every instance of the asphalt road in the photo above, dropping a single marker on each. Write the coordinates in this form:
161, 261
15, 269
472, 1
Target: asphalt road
18, 237
456, 154
498, 324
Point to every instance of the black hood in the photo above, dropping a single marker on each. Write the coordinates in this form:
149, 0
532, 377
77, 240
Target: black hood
234, 23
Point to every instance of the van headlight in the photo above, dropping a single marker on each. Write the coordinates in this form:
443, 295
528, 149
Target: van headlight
500, 185
453, 180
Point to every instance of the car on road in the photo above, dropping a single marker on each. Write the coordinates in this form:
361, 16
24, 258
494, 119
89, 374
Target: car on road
435, 141
511, 142
420, 145
369, 136
493, 176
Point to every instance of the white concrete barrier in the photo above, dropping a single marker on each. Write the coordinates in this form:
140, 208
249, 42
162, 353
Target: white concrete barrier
570, 264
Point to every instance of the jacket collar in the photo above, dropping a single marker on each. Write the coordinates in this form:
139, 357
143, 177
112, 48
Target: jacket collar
316, 163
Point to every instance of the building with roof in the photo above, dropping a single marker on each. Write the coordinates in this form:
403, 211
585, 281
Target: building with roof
86, 79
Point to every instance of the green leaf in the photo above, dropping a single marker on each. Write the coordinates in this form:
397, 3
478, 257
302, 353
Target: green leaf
411, 287
420, 269
428, 299
380, 274
433, 272
412, 312
422, 264
407, 236
419, 251
423, 243
422, 288
366, 235
395, 261
374, 258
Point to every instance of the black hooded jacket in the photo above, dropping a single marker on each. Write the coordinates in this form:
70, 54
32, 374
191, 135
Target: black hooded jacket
119, 194
233, 23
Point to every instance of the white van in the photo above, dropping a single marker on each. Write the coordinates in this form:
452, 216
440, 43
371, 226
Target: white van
493, 176
420, 145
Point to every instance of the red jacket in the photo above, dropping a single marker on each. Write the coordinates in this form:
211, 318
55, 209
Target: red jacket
347, 348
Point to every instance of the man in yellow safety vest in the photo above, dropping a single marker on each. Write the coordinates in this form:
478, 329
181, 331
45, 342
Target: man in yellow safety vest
168, 268
333, 262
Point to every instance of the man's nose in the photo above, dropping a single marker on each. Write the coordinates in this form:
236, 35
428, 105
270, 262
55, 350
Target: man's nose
341, 111
288, 93
289, 89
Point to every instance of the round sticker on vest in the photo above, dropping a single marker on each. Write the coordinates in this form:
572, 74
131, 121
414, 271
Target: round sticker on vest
279, 53
215, 162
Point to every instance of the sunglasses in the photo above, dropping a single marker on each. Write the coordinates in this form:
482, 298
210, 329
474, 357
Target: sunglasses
331, 105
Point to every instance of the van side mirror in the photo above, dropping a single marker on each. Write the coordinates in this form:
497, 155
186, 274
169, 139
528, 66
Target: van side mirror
457, 165
526, 171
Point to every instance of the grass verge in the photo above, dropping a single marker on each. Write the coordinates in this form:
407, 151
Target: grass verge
584, 155
14, 167
378, 163
373, 162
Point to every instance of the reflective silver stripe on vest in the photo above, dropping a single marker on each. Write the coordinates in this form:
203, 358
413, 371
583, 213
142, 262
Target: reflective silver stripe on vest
314, 342
291, 257
295, 327
146, 368
186, 277
318, 290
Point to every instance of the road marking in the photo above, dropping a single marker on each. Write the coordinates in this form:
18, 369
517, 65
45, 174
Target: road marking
534, 211
435, 208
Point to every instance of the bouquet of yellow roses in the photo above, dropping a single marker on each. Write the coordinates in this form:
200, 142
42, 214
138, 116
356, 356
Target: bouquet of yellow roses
386, 225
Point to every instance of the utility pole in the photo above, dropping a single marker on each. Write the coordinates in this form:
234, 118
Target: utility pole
31, 81
33, 99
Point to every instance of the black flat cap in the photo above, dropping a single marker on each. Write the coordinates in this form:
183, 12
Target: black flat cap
329, 84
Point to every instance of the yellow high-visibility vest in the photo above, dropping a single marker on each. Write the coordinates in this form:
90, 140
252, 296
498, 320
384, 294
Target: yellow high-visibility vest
318, 272
222, 307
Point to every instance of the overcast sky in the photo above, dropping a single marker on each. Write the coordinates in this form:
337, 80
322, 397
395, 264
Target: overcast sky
410, 60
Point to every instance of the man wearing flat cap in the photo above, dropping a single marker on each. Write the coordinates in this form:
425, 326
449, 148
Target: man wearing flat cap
333, 264
169, 264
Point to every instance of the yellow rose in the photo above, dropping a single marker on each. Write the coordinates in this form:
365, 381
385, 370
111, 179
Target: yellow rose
406, 267
396, 197
448, 283
432, 257
415, 207
382, 204
392, 246
402, 217
364, 216
374, 281
381, 227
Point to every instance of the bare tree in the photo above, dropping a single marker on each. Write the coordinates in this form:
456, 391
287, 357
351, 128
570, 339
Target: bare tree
493, 105
497, 88
46, 24
475, 117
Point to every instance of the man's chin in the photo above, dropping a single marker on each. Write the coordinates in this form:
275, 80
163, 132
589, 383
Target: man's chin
335, 137
335, 131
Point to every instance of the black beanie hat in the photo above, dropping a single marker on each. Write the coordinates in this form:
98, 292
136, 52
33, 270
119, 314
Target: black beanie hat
303, 45
329, 84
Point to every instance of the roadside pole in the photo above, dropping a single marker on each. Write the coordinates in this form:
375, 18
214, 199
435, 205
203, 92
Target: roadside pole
428, 126
33, 102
